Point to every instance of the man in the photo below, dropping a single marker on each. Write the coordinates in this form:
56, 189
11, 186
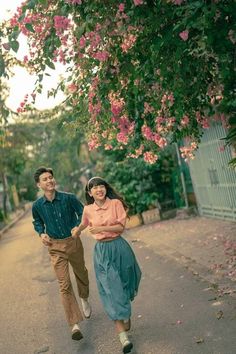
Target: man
55, 214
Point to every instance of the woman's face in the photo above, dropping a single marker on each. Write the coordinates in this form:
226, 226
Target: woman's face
98, 192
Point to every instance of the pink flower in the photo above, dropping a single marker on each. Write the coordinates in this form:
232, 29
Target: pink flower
93, 143
72, 88
122, 138
205, 123
79, 2
160, 141
222, 148
101, 56
232, 36
147, 132
128, 42
25, 59
6, 46
122, 7
117, 105
184, 121
82, 42
150, 157
184, 35
177, 2
138, 2
108, 147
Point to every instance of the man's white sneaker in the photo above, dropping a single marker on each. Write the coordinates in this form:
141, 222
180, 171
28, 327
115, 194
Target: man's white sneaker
87, 310
76, 334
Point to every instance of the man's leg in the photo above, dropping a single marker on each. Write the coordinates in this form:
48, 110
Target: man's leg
61, 267
76, 259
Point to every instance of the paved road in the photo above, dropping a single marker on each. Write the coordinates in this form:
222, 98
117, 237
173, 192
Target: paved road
174, 313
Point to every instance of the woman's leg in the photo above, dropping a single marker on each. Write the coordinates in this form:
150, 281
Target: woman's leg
120, 327
127, 345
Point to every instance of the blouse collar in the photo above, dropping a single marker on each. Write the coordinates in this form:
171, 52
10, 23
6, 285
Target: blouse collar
104, 206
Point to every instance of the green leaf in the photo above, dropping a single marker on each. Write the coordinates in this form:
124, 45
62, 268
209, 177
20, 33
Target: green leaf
29, 27
232, 163
14, 45
40, 77
2, 66
31, 4
50, 64
21, 18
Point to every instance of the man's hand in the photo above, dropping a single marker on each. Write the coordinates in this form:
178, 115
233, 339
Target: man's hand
74, 232
46, 240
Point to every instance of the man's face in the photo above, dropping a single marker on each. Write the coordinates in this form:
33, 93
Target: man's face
46, 182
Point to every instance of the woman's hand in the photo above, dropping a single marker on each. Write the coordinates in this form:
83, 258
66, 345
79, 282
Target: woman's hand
75, 232
95, 229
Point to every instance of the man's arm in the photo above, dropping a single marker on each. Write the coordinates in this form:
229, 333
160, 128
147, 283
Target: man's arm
37, 221
77, 206
40, 227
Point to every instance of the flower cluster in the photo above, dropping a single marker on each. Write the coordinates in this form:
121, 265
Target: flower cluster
120, 63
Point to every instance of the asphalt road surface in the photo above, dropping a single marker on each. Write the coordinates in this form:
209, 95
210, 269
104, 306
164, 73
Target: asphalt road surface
174, 313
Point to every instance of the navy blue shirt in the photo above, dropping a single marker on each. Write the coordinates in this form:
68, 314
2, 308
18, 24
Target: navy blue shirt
57, 217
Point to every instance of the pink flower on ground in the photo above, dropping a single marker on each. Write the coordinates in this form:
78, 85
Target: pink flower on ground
184, 35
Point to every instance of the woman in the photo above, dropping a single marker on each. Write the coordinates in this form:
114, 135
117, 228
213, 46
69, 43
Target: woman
117, 271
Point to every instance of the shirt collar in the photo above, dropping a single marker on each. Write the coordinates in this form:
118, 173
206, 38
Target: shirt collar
57, 196
104, 206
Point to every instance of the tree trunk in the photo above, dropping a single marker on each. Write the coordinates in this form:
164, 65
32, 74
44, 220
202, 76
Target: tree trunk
5, 195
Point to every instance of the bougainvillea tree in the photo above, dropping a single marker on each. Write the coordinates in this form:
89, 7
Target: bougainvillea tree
140, 73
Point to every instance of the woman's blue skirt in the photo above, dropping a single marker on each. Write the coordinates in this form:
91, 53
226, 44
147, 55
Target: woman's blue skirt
118, 276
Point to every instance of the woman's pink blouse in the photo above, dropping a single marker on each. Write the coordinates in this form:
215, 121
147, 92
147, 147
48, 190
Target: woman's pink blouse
111, 213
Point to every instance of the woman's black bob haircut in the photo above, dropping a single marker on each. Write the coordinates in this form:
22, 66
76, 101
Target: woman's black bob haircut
110, 192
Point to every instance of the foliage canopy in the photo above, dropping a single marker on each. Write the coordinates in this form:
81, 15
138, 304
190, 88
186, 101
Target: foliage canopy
140, 74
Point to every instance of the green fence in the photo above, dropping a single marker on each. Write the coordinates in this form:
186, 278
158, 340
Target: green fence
213, 180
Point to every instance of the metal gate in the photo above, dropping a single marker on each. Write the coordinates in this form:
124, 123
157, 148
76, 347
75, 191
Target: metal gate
213, 180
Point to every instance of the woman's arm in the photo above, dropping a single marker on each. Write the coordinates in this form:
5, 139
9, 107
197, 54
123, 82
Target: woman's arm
112, 228
76, 231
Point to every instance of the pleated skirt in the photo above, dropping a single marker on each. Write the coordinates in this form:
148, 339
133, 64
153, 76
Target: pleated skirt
118, 276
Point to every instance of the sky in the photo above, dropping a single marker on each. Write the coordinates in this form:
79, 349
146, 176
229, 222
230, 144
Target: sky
22, 83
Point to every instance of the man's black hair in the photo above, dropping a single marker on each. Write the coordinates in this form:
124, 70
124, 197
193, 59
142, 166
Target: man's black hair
40, 171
